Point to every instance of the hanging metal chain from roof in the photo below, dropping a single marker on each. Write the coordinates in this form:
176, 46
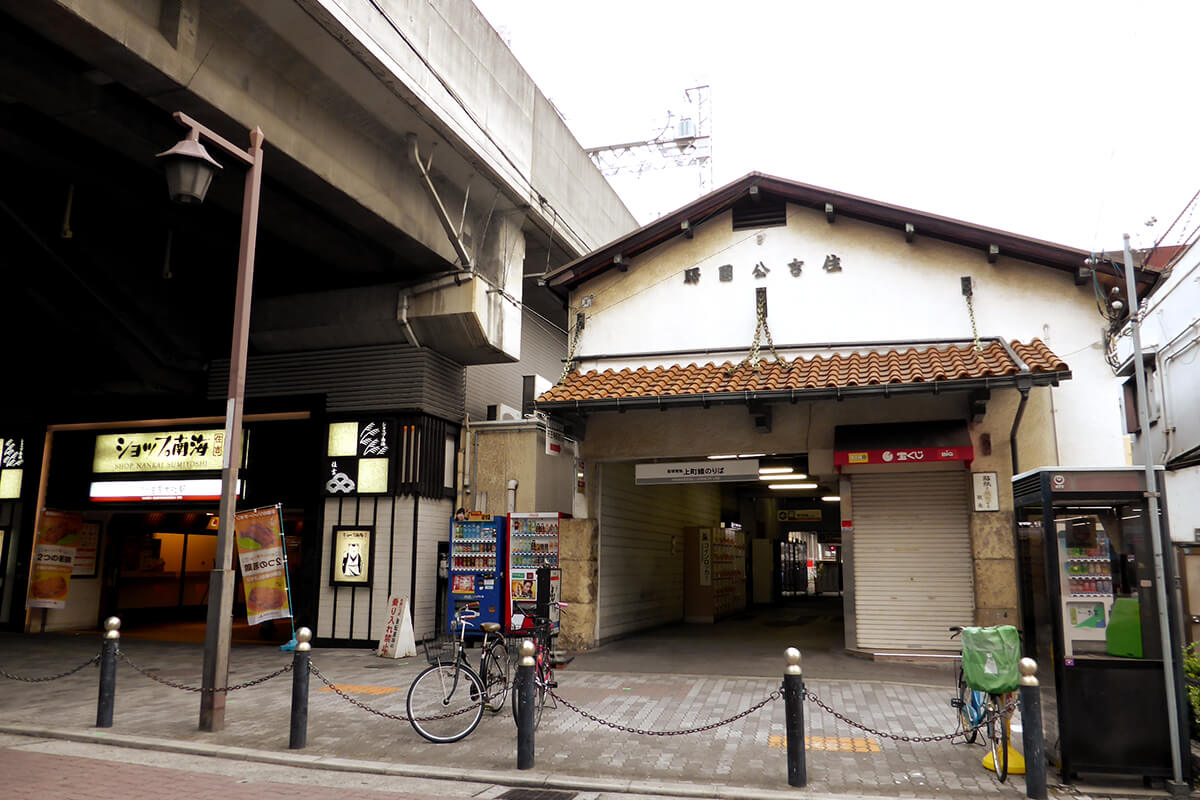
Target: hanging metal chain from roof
761, 329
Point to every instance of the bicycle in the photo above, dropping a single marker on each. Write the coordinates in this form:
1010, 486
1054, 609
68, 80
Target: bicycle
446, 700
982, 711
543, 673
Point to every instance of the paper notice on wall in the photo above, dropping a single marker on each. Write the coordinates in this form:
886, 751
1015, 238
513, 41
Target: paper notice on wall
53, 555
259, 536
398, 640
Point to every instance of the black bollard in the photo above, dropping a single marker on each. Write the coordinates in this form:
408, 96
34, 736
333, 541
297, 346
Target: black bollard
108, 672
525, 689
299, 734
1031, 731
793, 700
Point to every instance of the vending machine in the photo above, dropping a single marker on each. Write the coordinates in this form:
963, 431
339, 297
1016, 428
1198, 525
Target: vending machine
477, 563
532, 544
1085, 581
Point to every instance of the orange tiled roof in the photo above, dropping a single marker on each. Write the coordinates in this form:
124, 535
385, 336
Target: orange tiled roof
911, 366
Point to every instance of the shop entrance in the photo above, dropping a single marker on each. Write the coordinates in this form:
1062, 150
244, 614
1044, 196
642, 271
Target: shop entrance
157, 571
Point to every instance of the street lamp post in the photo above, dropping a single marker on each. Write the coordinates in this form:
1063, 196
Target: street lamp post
189, 171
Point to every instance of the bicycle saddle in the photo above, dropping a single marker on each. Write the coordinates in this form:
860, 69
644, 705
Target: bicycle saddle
491, 627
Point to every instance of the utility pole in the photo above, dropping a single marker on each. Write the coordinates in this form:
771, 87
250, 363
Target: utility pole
1160, 580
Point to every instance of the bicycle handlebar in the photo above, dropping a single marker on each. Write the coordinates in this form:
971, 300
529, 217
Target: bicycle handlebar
467, 612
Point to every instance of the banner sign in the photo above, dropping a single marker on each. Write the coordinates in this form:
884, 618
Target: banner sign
53, 555
909, 455
706, 557
259, 537
162, 451
742, 469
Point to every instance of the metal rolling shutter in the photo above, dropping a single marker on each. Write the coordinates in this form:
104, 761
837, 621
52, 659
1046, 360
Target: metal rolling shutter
912, 560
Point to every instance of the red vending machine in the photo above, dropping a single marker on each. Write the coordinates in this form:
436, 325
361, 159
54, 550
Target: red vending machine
532, 544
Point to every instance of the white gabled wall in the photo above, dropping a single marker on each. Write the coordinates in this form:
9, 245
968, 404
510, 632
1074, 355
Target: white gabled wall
640, 577
886, 290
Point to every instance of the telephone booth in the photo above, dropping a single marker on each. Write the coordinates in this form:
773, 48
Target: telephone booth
1091, 619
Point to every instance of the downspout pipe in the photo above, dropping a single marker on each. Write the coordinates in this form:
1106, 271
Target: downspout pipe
512, 496
1012, 434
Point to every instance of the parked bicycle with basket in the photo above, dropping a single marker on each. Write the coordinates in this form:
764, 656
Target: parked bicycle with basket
988, 677
446, 700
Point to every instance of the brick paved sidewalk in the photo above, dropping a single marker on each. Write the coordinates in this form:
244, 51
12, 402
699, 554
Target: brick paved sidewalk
749, 753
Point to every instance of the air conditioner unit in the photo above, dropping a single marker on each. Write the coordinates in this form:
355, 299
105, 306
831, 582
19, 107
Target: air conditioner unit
502, 412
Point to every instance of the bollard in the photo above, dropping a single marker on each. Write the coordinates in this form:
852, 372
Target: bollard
108, 672
1031, 731
300, 662
793, 699
525, 690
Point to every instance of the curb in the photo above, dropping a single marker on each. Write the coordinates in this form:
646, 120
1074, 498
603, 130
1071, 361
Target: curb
513, 778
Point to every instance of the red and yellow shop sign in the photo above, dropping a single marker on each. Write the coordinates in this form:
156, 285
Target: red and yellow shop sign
907, 455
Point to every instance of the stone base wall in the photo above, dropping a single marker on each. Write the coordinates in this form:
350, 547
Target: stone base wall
578, 551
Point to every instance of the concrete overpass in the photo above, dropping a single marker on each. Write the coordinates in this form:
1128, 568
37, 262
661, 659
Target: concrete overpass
417, 184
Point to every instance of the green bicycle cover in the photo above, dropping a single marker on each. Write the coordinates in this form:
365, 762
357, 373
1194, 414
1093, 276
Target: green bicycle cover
990, 658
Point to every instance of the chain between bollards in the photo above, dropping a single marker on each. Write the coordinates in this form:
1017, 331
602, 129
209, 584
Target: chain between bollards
108, 672
525, 690
793, 700
298, 737
1031, 731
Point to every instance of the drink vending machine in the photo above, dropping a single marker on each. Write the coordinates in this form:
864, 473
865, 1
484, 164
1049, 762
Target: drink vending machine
532, 587
477, 567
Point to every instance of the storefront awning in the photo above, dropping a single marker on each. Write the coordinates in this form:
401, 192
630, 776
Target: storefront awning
902, 444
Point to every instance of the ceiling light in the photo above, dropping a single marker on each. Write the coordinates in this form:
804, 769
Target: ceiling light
774, 470
792, 486
796, 476
751, 455
831, 498
714, 458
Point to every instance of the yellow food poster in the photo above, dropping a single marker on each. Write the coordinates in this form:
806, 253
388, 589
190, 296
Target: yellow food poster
259, 535
53, 555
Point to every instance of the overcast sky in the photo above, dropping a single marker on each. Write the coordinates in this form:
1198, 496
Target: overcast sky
1067, 121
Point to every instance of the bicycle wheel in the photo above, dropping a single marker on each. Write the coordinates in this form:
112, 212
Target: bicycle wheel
968, 711
445, 702
495, 676
997, 733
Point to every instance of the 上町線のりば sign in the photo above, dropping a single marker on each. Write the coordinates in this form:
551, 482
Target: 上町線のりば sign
697, 471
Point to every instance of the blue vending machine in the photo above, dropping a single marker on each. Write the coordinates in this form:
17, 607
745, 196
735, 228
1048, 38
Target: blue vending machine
477, 568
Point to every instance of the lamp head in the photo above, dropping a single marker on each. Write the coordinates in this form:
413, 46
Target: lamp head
189, 170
